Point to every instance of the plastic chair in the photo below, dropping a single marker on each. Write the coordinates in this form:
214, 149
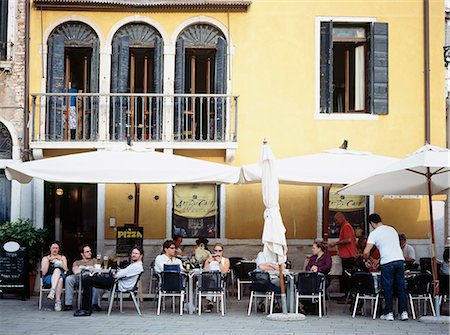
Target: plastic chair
211, 283
310, 285
362, 284
419, 287
260, 288
133, 292
242, 273
171, 285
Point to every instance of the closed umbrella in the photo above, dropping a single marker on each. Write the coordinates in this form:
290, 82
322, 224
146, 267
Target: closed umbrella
273, 237
425, 172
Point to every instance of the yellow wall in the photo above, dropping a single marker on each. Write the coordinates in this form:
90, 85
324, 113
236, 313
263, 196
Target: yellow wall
274, 73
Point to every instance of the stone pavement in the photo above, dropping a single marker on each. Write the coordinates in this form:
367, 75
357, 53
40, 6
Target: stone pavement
23, 317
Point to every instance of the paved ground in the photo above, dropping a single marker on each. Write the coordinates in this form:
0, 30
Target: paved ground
23, 317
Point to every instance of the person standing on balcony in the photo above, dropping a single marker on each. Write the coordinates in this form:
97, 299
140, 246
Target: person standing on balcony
385, 238
346, 248
73, 115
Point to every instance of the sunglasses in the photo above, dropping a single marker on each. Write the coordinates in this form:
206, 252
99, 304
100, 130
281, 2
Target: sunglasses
216, 250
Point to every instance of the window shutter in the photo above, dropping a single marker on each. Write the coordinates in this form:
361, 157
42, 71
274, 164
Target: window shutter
158, 65
95, 65
55, 84
3, 29
326, 67
123, 65
379, 71
180, 68
216, 126
5, 197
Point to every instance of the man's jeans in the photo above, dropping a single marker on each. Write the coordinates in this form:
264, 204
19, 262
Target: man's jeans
72, 282
393, 275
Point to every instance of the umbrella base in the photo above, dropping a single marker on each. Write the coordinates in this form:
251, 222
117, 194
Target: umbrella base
435, 319
286, 317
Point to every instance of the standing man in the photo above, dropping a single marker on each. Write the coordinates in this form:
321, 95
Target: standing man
129, 275
346, 248
86, 262
385, 238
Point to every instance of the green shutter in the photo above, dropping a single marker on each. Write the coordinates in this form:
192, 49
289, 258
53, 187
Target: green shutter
326, 67
379, 72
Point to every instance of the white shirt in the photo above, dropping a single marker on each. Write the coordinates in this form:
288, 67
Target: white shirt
131, 272
385, 239
163, 259
262, 258
214, 265
408, 251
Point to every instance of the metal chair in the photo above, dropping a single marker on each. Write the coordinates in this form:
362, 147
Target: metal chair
133, 292
420, 287
171, 285
362, 284
153, 286
261, 288
242, 273
310, 285
233, 262
211, 283
45, 289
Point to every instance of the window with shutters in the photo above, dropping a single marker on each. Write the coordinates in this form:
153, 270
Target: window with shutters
3, 29
200, 70
353, 67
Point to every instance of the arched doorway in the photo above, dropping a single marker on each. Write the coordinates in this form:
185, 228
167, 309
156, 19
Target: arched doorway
6, 147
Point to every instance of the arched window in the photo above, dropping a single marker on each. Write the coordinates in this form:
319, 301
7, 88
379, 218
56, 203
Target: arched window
200, 68
73, 67
5, 143
137, 67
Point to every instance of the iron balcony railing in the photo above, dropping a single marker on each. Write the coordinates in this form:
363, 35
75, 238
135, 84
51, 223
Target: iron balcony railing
136, 117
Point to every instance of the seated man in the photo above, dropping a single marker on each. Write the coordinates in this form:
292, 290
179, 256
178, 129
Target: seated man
72, 281
408, 253
168, 256
264, 262
129, 275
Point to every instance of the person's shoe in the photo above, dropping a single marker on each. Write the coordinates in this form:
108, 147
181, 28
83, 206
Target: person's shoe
51, 294
96, 308
387, 317
58, 306
403, 316
67, 308
82, 312
209, 307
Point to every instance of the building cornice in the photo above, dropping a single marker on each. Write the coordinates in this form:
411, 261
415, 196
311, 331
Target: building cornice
146, 5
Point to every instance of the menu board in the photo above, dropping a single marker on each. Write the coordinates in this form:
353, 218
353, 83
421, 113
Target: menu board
127, 238
13, 272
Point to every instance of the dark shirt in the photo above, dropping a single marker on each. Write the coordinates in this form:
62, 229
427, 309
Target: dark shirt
323, 263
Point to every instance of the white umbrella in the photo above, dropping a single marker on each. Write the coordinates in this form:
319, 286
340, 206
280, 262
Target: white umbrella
123, 167
273, 237
424, 172
334, 166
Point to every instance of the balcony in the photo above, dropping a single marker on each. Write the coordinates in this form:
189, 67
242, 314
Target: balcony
94, 120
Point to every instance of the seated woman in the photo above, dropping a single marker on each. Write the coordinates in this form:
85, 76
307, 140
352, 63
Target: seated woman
201, 252
372, 264
168, 256
216, 263
53, 267
320, 261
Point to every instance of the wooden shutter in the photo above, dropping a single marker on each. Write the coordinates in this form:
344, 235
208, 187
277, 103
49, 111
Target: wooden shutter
158, 61
3, 29
220, 87
326, 67
378, 89
180, 68
123, 72
95, 65
5, 198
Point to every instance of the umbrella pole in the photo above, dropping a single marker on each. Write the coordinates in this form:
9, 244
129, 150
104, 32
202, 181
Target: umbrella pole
137, 195
433, 246
283, 289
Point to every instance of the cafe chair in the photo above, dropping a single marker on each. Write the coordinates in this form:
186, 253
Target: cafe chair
133, 292
171, 285
242, 273
310, 285
420, 288
444, 286
363, 286
260, 287
153, 286
233, 262
211, 284
45, 289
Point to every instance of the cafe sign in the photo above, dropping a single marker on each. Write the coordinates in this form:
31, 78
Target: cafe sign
195, 201
345, 203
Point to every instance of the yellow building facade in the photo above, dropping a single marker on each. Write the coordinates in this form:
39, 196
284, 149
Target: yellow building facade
304, 74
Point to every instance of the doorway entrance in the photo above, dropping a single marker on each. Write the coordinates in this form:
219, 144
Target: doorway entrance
70, 214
